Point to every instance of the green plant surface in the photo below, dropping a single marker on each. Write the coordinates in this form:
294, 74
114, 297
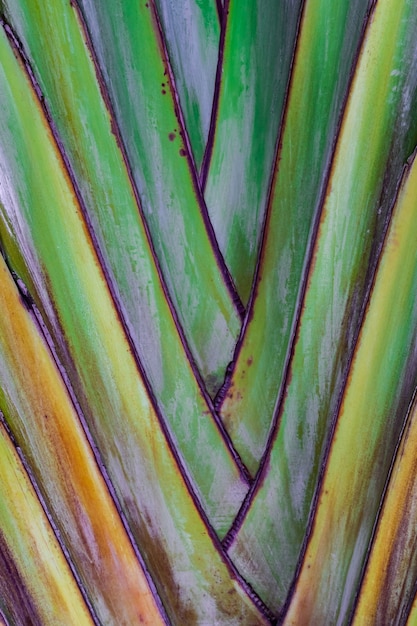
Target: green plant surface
370, 420
412, 616
360, 193
130, 52
255, 64
208, 318
63, 274
109, 208
152, 486
192, 34
328, 42
109, 179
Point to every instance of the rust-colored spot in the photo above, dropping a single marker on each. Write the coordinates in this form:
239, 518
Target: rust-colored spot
171, 136
163, 92
249, 361
183, 153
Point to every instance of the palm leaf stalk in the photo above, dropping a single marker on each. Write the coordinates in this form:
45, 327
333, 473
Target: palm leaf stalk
208, 323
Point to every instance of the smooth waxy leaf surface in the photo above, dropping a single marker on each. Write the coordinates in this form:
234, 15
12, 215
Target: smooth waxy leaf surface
70, 289
153, 154
379, 114
153, 488
130, 52
327, 45
253, 74
370, 420
109, 202
412, 618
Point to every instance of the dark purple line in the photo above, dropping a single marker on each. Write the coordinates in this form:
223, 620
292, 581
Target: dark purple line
329, 440
221, 264
262, 240
219, 6
174, 93
184, 474
262, 470
197, 375
361, 317
205, 166
224, 434
409, 605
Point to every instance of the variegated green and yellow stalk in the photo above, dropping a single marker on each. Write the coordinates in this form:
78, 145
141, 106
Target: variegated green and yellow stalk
208, 329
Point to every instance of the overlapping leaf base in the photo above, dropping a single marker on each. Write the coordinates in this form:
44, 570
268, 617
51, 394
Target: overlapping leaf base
208, 330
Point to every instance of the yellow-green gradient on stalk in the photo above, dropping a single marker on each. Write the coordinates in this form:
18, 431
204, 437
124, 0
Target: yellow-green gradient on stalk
379, 118
381, 384
29, 548
45, 426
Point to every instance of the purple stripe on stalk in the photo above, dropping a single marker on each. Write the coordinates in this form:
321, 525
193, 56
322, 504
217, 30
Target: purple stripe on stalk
223, 16
184, 474
198, 187
273, 433
116, 131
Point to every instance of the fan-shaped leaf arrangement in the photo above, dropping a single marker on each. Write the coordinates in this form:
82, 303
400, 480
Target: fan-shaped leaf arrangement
208, 331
